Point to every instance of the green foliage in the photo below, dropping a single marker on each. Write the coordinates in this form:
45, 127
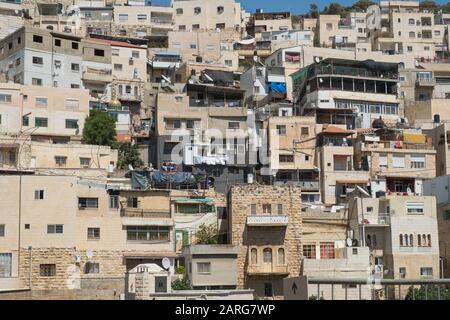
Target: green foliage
313, 10
207, 234
99, 129
335, 8
432, 293
361, 5
429, 5
314, 297
128, 154
180, 270
181, 284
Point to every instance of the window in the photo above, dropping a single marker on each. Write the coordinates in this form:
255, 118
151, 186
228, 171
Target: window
410, 48
195, 26
2, 231
5, 265
99, 52
93, 233
204, 267
72, 103
147, 233
280, 208
253, 209
135, 54
75, 45
71, 124
47, 270
85, 162
267, 255
75, 67
197, 10
220, 26
87, 203
281, 130
38, 194
220, 9
114, 52
132, 202
193, 46
179, 11
411, 22
27, 226
327, 250
41, 122
267, 208
383, 161
415, 207
418, 161
60, 161
399, 161
233, 125
426, 272
91, 267
228, 63
37, 39
41, 102
181, 28
402, 272
58, 42
329, 26
280, 256
286, 158
38, 60
401, 240
305, 131
55, 228
5, 98
123, 17
36, 82
113, 201
142, 17
437, 33
117, 67
309, 251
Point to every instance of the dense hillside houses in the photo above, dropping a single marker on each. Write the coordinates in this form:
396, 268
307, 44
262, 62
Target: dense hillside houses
196, 149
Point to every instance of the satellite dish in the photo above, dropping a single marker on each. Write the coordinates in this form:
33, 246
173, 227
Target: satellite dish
166, 263
89, 254
130, 167
349, 242
316, 59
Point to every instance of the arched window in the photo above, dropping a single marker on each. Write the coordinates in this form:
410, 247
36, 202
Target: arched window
429, 240
254, 256
281, 256
197, 10
220, 9
369, 240
267, 255
179, 11
419, 242
424, 240
401, 240
412, 34
406, 240
411, 240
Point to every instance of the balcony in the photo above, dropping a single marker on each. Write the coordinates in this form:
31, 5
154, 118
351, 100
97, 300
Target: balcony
161, 21
374, 220
267, 221
425, 82
96, 75
260, 270
144, 213
304, 184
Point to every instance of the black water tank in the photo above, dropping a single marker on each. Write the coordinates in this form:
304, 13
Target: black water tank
198, 59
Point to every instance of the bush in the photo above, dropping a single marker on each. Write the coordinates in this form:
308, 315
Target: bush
180, 270
432, 293
314, 297
181, 284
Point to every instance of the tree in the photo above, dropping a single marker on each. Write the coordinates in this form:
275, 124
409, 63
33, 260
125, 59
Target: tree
128, 155
429, 5
361, 5
313, 11
181, 284
335, 8
207, 234
432, 293
99, 129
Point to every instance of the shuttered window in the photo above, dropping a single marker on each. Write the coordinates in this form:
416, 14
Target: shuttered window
383, 160
399, 161
418, 161
5, 265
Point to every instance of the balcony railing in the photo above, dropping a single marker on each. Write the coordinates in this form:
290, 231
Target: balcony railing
304, 184
373, 219
270, 269
267, 220
144, 213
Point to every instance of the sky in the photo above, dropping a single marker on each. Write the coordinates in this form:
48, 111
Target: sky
294, 6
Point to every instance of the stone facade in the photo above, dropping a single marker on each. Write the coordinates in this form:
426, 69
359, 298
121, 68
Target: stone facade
266, 278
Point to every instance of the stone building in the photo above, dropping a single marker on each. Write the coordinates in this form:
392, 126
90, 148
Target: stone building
266, 224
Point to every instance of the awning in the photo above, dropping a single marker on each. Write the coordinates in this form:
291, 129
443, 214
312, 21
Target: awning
205, 200
155, 254
247, 41
147, 222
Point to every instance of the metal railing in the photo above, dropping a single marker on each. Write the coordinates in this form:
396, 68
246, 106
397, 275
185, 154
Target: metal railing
385, 289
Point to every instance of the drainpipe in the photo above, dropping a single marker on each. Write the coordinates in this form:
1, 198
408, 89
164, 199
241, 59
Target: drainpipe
30, 269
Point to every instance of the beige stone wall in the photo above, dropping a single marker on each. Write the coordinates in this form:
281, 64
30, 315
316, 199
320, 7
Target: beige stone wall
289, 237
